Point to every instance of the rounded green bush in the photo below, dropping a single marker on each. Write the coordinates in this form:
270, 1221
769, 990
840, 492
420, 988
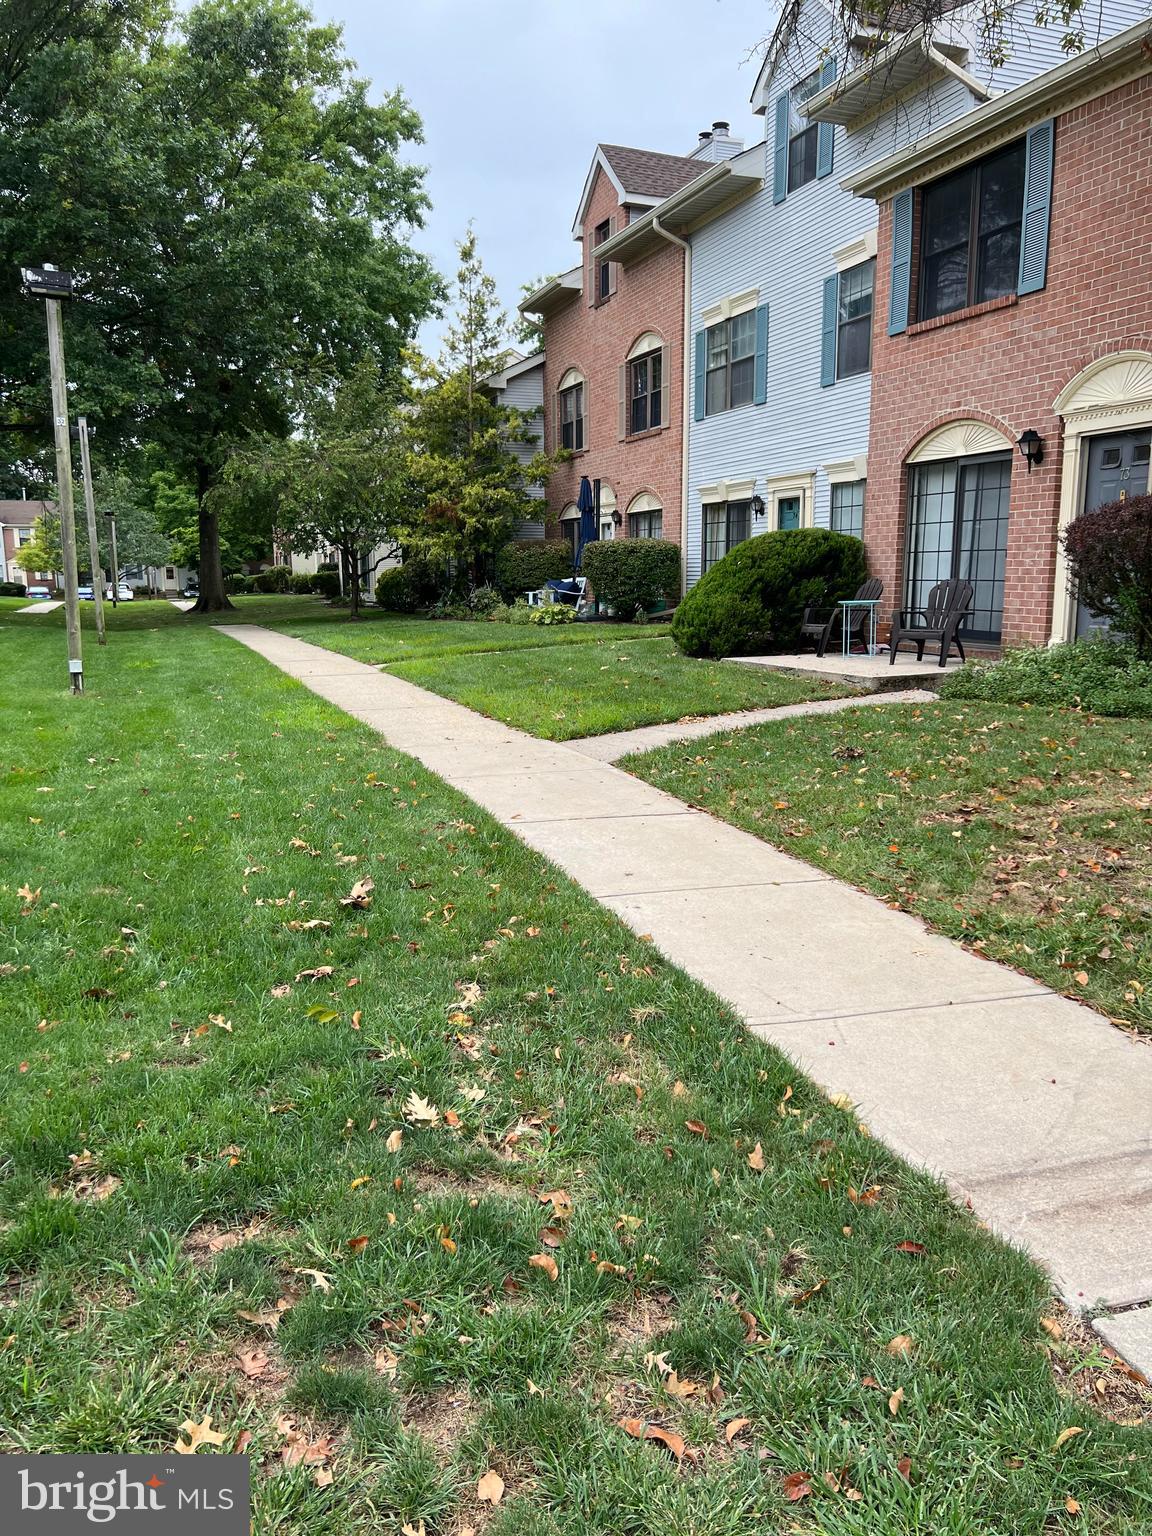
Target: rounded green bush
526, 564
632, 574
301, 583
241, 584
326, 583
396, 591
276, 578
754, 599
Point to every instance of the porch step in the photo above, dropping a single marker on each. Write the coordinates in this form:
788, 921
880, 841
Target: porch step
874, 674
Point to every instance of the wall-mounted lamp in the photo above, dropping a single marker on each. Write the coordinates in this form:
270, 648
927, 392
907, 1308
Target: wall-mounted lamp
617, 519
757, 506
1031, 445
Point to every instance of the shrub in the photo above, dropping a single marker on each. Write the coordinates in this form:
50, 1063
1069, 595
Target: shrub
240, 583
527, 564
754, 598
13, 589
396, 591
1110, 553
275, 578
632, 574
326, 583
552, 613
301, 583
484, 601
1096, 674
518, 613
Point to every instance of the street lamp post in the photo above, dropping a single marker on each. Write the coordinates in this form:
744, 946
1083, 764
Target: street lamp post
53, 287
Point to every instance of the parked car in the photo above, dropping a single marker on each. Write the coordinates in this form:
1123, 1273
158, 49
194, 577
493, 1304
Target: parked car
86, 594
191, 590
39, 594
124, 593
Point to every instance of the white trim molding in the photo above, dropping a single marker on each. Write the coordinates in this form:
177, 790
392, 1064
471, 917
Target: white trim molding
847, 471
855, 252
644, 501
802, 484
733, 304
570, 513
570, 379
727, 490
649, 342
1113, 394
959, 440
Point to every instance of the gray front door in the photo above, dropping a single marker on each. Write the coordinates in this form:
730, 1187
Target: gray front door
1117, 469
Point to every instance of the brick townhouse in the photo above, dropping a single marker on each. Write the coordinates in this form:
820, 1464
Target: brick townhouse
1012, 344
17, 525
614, 353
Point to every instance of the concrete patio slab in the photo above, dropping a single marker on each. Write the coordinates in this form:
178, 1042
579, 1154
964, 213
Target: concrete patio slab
1032, 1107
811, 951
44, 607
873, 673
1130, 1334
646, 738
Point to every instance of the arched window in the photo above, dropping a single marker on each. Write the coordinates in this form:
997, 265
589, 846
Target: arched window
644, 385
571, 411
645, 517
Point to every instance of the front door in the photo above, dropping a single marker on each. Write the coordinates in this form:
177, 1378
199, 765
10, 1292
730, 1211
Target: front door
788, 512
959, 528
1117, 469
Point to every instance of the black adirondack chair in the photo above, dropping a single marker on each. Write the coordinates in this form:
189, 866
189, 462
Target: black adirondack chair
819, 623
939, 620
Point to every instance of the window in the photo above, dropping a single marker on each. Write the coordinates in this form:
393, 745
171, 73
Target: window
603, 268
959, 528
730, 362
970, 234
854, 320
726, 524
848, 508
646, 525
645, 380
571, 402
803, 136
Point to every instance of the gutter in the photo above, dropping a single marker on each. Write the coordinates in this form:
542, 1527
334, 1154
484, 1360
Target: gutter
686, 350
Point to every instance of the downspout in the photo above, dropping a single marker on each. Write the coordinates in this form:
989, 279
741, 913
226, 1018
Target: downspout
686, 347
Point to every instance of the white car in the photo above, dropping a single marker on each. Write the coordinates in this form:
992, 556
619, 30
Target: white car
124, 594
39, 594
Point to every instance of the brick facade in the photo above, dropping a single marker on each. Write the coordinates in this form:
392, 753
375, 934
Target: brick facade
596, 340
1004, 363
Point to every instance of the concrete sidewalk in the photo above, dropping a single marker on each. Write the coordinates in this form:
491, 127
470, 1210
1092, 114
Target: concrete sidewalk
1033, 1107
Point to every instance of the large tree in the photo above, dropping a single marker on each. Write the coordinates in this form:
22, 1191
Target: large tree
238, 214
340, 481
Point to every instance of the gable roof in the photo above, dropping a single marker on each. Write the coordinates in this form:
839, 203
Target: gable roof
641, 177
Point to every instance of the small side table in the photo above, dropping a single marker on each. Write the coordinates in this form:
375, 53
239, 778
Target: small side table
847, 604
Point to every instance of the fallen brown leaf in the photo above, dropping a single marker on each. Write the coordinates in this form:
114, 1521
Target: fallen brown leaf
797, 1486
756, 1159
546, 1262
253, 1362
902, 1344
360, 896
1067, 1434
732, 1429
198, 1435
895, 1401
490, 1488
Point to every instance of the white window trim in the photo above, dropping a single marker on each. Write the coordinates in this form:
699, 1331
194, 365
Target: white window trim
856, 252
847, 471
649, 342
802, 484
570, 513
570, 380
645, 501
734, 304
727, 490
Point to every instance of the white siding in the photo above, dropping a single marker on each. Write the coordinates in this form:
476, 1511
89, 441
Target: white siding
526, 393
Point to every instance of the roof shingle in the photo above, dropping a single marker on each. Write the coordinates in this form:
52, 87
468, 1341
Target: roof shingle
647, 173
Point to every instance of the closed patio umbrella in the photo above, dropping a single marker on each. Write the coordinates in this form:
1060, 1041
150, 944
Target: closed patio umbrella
589, 528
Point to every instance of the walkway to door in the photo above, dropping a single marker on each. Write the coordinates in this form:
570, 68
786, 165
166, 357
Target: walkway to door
1032, 1107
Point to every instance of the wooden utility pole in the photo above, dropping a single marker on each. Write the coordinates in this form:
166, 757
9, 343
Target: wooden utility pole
115, 562
64, 492
93, 542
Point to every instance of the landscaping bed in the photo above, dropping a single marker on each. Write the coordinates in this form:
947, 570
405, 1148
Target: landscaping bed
1024, 832
397, 1188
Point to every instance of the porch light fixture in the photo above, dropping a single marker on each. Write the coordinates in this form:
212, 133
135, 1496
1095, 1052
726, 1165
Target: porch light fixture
757, 506
618, 519
1031, 445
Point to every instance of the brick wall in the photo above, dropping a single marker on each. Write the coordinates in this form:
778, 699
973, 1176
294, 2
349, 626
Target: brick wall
649, 297
1005, 363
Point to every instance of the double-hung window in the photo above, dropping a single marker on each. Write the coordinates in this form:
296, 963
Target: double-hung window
603, 269
645, 382
646, 525
803, 136
854, 320
730, 362
726, 524
970, 234
848, 508
571, 412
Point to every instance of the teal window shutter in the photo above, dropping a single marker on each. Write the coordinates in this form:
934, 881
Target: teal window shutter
828, 331
900, 290
1037, 207
826, 132
780, 150
760, 381
699, 401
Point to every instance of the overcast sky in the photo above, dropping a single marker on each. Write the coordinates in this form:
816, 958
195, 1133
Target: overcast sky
515, 94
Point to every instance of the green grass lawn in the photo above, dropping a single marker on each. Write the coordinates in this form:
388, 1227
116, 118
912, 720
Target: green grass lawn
1023, 832
614, 686
306, 1202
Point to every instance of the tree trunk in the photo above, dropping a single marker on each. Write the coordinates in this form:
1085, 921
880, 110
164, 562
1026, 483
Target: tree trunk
352, 565
212, 597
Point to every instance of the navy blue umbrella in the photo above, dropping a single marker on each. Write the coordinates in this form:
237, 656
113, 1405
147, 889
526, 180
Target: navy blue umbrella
588, 531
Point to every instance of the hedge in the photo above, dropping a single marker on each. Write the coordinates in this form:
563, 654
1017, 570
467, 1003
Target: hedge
526, 564
754, 598
13, 589
276, 578
326, 583
632, 574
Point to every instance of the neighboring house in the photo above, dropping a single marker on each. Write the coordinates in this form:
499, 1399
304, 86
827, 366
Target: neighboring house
17, 524
1014, 297
613, 344
521, 384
